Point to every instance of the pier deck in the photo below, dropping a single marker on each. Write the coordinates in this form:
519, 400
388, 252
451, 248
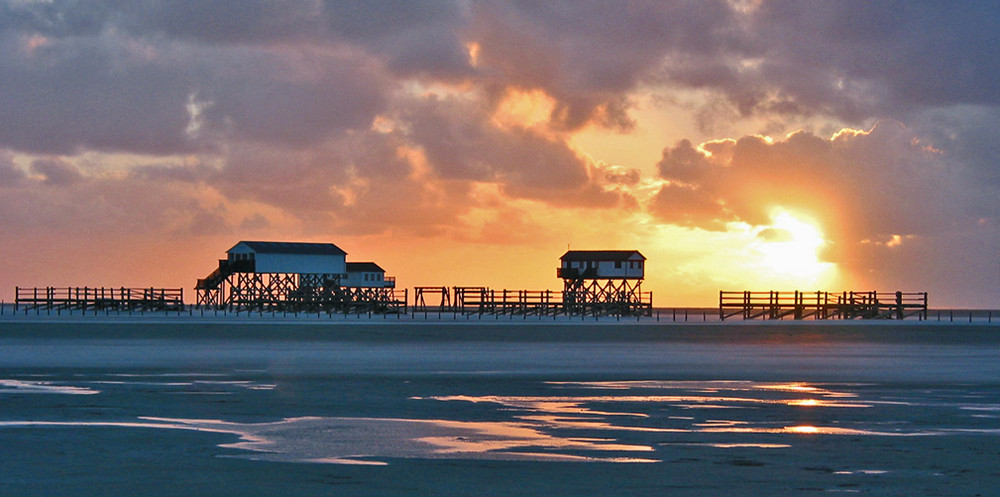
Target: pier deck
99, 298
822, 305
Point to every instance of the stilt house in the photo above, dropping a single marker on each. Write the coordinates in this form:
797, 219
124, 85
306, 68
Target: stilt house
601, 264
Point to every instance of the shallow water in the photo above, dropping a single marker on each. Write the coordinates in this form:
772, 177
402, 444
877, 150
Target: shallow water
164, 416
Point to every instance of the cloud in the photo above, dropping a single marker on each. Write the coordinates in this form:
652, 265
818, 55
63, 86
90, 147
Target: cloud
603, 51
56, 172
854, 60
109, 88
414, 38
10, 175
236, 22
113, 76
461, 142
879, 195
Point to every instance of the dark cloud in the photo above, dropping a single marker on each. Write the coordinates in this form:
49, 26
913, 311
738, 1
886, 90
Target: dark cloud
56, 172
413, 37
117, 76
461, 142
116, 89
224, 21
56, 18
71, 94
853, 59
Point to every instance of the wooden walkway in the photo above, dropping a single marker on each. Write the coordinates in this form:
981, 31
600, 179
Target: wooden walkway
99, 299
487, 301
822, 305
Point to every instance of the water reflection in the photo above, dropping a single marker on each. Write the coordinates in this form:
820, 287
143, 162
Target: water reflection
367, 440
10, 386
616, 421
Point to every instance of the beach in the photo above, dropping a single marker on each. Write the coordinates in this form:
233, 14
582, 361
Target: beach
371, 407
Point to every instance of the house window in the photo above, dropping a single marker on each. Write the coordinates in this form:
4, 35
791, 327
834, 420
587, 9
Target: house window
618, 264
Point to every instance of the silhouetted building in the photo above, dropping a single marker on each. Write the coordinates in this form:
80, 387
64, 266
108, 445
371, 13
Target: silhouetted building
604, 282
602, 264
294, 276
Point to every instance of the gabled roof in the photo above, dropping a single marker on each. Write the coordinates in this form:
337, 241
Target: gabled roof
364, 267
601, 255
292, 248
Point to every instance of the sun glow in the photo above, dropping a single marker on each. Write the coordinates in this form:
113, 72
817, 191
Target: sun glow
790, 247
524, 108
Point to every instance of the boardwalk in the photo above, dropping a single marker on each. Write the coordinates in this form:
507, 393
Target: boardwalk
99, 298
822, 305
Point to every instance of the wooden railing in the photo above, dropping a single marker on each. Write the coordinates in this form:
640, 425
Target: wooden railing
822, 305
99, 298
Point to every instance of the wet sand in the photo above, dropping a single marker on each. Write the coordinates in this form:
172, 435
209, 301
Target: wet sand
258, 408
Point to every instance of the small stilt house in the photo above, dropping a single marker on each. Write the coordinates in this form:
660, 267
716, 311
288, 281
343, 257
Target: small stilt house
601, 264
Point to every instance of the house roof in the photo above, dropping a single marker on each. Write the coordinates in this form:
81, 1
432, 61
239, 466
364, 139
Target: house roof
601, 255
299, 248
364, 267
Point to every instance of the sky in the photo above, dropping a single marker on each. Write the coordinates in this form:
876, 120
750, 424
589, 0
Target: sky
738, 144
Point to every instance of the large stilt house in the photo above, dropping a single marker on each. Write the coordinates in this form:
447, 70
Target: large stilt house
295, 276
289, 257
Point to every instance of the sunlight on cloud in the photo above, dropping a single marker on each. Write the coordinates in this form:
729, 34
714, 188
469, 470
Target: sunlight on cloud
473, 49
524, 108
781, 255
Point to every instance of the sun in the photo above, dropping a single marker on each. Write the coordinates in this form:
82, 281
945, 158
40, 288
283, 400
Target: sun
790, 247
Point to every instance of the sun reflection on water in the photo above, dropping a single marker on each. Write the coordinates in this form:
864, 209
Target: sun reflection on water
802, 429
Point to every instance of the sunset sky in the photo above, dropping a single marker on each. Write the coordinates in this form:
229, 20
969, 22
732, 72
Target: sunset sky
765, 145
